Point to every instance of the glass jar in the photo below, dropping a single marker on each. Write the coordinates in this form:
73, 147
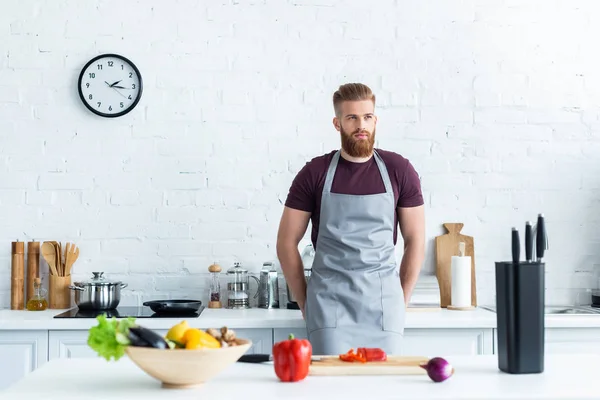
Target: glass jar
214, 287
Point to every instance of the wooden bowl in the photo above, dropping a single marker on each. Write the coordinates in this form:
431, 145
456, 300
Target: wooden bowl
181, 368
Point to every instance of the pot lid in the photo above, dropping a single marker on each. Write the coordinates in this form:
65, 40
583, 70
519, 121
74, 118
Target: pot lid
97, 280
237, 269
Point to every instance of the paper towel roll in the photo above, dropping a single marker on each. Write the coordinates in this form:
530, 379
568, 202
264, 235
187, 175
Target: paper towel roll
461, 281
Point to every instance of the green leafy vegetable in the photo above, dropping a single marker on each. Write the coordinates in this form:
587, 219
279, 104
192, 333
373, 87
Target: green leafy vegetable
109, 337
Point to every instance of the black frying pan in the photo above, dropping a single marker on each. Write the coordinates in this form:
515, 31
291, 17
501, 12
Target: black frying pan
174, 306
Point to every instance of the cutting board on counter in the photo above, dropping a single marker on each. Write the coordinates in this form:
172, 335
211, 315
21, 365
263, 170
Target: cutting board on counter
446, 246
395, 365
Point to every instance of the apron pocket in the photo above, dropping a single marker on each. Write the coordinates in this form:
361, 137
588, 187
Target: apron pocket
320, 311
392, 303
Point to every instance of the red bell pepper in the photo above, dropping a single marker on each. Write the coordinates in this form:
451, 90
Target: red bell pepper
364, 354
372, 354
291, 359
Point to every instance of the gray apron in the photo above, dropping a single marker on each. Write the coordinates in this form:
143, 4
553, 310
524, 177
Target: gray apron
354, 297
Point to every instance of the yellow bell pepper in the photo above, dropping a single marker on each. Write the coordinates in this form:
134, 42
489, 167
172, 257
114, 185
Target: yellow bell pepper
196, 339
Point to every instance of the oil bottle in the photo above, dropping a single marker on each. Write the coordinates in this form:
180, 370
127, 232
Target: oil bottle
38, 300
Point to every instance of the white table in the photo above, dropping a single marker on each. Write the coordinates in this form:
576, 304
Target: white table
477, 377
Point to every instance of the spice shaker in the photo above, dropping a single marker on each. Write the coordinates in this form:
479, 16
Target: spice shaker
215, 286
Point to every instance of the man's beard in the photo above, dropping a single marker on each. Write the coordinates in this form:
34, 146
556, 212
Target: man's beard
358, 147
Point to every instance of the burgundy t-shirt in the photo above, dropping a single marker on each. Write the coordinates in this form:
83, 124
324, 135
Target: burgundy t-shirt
354, 178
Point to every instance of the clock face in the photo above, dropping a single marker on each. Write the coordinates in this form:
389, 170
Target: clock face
110, 85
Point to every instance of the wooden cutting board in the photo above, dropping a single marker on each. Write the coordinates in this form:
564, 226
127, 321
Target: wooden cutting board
395, 365
446, 246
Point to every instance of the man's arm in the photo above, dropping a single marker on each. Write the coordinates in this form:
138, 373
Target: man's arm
292, 228
412, 228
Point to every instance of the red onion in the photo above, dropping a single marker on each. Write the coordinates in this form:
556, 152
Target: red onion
438, 369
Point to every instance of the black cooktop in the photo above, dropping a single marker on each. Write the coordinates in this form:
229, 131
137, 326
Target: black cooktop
124, 312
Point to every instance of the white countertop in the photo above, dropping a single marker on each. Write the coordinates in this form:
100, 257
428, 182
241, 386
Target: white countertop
476, 377
282, 318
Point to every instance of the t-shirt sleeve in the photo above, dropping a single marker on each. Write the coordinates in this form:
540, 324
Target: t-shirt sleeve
302, 191
410, 190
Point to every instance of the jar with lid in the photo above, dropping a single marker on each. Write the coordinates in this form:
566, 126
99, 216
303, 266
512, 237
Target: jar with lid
215, 287
238, 287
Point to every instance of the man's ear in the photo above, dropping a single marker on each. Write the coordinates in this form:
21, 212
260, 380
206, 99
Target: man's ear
336, 123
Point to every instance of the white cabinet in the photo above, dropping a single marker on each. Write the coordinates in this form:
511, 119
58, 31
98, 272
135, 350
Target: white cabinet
428, 342
262, 340
20, 353
572, 340
69, 344
280, 334
447, 342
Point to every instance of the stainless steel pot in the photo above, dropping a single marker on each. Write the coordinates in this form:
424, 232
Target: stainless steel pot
98, 293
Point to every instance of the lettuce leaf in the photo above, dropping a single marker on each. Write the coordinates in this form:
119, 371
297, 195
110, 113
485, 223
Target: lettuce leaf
109, 337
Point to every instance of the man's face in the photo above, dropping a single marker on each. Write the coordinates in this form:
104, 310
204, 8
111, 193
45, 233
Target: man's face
356, 124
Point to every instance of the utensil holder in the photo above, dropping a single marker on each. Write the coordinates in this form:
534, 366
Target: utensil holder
520, 304
59, 292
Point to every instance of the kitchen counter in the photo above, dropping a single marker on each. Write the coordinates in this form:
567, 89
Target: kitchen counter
476, 377
282, 318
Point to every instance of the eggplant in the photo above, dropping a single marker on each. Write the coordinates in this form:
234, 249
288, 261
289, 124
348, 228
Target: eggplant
144, 337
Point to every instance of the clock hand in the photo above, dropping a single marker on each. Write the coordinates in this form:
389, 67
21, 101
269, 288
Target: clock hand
119, 87
115, 83
119, 92
109, 85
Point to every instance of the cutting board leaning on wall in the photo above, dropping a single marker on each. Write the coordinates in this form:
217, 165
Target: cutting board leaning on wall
446, 246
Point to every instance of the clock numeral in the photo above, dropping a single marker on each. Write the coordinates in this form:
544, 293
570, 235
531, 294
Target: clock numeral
122, 67
109, 108
90, 97
129, 97
121, 104
110, 63
99, 66
87, 85
92, 75
133, 85
131, 74
99, 104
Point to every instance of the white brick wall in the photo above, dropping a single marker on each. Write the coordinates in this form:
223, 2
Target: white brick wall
495, 102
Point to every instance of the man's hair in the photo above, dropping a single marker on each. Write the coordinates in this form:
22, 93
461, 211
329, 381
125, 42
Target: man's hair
351, 92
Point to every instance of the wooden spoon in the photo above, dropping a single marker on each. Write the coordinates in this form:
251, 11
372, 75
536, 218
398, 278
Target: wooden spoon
49, 254
71, 255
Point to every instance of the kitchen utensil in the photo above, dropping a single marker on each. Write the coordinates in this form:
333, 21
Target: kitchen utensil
60, 295
33, 267
515, 246
71, 256
528, 241
238, 287
174, 306
445, 247
395, 365
541, 238
98, 293
268, 288
49, 254
215, 286
332, 365
17, 276
186, 368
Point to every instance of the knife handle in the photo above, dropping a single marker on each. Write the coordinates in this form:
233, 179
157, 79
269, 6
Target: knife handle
528, 241
255, 358
516, 246
540, 237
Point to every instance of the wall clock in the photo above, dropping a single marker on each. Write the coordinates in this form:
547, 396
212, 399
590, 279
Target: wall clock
110, 85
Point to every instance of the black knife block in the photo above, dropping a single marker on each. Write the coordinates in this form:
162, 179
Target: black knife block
520, 301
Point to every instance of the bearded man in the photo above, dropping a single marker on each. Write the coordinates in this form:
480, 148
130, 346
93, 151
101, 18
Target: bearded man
356, 199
